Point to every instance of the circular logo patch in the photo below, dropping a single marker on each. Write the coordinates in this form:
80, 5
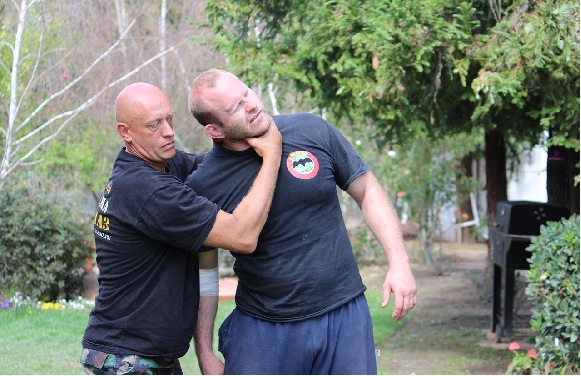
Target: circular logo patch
302, 164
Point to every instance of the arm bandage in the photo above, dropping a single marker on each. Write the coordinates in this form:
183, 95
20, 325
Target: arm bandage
209, 282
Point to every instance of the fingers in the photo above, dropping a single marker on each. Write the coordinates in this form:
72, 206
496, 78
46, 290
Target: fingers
403, 287
398, 309
402, 305
386, 296
269, 144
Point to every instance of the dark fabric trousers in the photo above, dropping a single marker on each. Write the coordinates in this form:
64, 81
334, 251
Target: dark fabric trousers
338, 342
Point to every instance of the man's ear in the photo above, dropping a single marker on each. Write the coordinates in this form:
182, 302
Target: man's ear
213, 131
123, 132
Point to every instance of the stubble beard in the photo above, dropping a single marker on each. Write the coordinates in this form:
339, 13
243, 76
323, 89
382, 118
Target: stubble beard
241, 132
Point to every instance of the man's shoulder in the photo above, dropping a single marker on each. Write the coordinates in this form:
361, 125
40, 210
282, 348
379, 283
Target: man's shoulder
297, 118
181, 156
130, 172
299, 122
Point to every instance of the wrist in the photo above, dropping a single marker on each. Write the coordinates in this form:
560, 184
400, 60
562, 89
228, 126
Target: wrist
272, 159
204, 351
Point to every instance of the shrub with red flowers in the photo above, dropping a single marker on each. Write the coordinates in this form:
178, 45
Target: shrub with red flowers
523, 363
553, 288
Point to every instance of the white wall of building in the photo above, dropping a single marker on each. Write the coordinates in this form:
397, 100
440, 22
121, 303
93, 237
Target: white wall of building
529, 182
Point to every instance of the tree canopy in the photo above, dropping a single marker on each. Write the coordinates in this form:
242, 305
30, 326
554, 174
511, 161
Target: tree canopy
417, 67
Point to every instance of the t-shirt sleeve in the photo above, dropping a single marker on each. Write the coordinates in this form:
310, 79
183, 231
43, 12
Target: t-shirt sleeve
348, 163
183, 164
175, 214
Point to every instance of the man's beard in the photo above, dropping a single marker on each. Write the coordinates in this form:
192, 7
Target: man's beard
239, 133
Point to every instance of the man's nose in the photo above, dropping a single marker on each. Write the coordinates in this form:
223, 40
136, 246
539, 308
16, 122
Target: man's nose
249, 104
167, 129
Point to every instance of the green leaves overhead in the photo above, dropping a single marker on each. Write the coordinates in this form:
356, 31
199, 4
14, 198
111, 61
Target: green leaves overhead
382, 60
530, 61
430, 66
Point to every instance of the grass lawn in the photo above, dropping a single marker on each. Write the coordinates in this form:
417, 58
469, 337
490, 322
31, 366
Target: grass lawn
48, 342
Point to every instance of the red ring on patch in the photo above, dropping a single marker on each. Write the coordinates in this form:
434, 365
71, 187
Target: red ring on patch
302, 164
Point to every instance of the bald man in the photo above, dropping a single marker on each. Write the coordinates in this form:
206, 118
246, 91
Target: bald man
149, 228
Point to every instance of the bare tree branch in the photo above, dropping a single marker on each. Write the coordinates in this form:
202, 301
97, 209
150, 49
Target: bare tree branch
13, 145
162, 42
66, 88
73, 114
271, 89
33, 74
13, 86
273, 101
496, 7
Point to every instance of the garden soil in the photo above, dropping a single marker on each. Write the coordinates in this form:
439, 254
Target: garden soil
448, 332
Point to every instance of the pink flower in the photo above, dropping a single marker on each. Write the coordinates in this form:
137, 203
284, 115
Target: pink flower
513, 346
532, 353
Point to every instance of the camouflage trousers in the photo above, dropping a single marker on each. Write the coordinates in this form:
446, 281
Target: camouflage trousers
100, 363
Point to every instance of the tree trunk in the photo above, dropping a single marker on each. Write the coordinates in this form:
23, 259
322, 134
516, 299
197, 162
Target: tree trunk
122, 24
463, 199
496, 184
561, 171
162, 43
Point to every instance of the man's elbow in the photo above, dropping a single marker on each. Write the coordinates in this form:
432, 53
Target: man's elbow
242, 243
246, 246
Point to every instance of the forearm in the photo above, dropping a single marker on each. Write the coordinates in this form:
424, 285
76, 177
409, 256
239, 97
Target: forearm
251, 214
239, 231
382, 220
387, 230
204, 334
203, 337
208, 306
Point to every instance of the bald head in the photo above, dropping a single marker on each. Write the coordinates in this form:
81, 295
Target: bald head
134, 99
145, 122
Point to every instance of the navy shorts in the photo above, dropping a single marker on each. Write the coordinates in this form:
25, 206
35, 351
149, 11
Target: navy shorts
338, 342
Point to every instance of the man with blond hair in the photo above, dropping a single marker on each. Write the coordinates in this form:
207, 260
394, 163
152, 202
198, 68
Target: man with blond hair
300, 307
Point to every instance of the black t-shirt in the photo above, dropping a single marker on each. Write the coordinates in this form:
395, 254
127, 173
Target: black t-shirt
304, 264
148, 228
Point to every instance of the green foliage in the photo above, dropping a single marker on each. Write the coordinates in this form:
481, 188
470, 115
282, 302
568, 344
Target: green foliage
366, 248
554, 289
430, 179
43, 245
530, 65
522, 364
428, 67
385, 61
84, 163
425, 173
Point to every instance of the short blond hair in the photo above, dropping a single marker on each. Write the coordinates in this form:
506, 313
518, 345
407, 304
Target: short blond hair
196, 103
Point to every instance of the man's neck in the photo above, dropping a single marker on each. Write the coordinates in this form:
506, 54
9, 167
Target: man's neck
235, 145
157, 166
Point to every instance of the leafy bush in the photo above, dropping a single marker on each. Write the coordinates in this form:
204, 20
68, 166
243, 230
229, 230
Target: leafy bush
553, 286
523, 364
42, 245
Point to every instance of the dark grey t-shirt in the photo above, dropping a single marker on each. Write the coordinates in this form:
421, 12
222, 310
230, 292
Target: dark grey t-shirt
303, 265
148, 228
